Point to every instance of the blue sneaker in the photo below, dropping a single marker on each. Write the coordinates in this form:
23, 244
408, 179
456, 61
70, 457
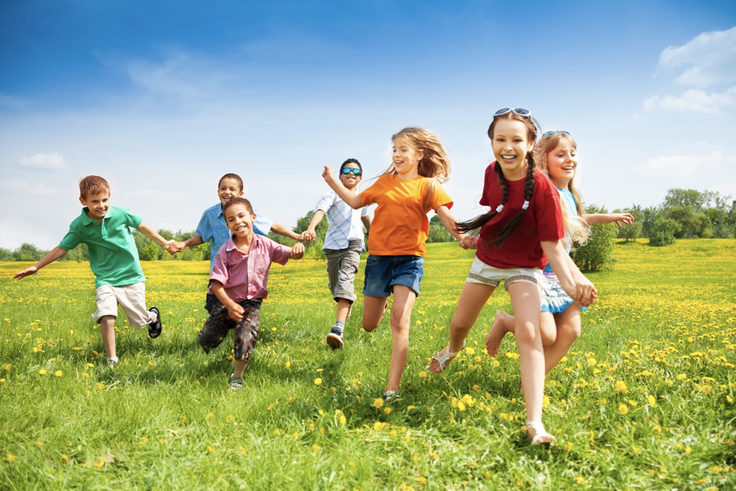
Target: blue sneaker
334, 338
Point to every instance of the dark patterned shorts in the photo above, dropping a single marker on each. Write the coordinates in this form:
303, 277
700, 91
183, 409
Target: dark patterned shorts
246, 330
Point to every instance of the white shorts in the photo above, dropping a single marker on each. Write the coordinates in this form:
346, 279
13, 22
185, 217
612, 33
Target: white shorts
132, 299
484, 274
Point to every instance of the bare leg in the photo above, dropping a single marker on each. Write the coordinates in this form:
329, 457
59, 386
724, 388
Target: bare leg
502, 324
107, 331
239, 368
404, 298
373, 310
526, 303
343, 307
568, 330
472, 300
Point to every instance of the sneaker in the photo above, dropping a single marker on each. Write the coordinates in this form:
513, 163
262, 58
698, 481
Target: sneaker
154, 328
235, 383
111, 362
334, 338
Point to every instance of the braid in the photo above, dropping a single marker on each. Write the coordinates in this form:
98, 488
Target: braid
508, 228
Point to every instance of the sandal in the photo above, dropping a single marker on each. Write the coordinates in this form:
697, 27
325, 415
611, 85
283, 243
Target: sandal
444, 360
391, 395
541, 433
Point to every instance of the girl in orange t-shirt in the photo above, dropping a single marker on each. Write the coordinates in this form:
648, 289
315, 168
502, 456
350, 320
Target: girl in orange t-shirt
404, 193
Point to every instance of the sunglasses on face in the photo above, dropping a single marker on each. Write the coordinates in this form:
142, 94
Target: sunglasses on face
519, 111
347, 170
555, 132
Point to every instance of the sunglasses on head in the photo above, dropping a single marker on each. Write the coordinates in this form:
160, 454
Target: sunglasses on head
347, 170
555, 132
519, 111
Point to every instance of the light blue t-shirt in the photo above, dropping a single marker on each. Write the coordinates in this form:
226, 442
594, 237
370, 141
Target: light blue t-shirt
213, 228
570, 205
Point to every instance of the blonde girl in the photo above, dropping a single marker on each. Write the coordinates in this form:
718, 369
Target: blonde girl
559, 322
524, 224
404, 193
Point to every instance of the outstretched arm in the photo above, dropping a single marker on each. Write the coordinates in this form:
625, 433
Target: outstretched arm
150, 232
175, 246
617, 218
353, 200
286, 232
50, 257
310, 234
571, 279
449, 221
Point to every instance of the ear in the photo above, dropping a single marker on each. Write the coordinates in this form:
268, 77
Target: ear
83, 201
242, 193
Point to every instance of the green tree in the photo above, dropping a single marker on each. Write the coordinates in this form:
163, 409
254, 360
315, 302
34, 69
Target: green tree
28, 252
692, 224
633, 231
6, 254
663, 231
438, 232
597, 253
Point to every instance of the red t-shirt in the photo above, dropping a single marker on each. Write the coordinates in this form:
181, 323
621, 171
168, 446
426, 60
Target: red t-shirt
542, 221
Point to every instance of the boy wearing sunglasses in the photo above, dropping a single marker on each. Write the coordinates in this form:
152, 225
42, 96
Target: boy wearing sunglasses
212, 227
343, 244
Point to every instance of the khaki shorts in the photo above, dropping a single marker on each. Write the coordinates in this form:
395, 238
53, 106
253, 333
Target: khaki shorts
484, 274
132, 299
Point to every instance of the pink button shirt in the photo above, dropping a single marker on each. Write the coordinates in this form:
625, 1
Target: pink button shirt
244, 276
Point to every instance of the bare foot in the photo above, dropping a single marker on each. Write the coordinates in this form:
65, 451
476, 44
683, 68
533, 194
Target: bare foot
497, 332
441, 360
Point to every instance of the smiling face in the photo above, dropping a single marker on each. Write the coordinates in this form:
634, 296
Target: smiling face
350, 181
240, 221
561, 164
228, 188
406, 158
511, 144
98, 204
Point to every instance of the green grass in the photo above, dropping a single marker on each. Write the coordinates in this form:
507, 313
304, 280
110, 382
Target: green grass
164, 418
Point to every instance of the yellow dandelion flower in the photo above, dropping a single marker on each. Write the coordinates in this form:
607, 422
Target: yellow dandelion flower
287, 364
144, 440
682, 376
623, 408
10, 457
620, 387
318, 381
422, 374
85, 375
42, 372
652, 400
545, 401
378, 403
592, 362
470, 351
343, 420
387, 410
58, 373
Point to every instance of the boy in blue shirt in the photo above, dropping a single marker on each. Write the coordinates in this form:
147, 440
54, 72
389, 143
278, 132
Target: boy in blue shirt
113, 258
212, 227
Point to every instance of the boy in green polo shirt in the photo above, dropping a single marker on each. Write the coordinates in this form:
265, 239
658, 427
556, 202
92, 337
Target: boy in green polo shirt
113, 258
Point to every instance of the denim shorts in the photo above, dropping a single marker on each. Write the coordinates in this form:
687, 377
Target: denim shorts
383, 272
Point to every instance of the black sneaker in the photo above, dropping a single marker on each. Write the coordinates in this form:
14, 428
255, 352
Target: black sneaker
154, 328
334, 338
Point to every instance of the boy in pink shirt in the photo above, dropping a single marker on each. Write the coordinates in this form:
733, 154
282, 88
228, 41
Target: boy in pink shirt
238, 279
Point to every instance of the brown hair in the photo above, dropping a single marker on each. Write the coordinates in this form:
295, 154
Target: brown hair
237, 201
231, 176
578, 230
475, 224
92, 185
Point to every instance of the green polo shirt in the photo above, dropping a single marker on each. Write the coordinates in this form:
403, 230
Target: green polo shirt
113, 255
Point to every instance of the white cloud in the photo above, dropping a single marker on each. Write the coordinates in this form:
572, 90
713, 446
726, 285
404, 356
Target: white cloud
49, 161
694, 100
679, 165
26, 188
710, 59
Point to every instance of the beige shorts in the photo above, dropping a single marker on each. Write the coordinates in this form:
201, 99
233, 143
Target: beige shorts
484, 274
132, 299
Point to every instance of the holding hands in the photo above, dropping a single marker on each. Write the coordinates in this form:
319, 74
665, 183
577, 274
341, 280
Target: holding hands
297, 251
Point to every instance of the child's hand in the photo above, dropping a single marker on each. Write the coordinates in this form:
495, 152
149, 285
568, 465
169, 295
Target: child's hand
469, 242
626, 218
297, 251
308, 235
585, 291
235, 312
328, 174
26, 272
175, 247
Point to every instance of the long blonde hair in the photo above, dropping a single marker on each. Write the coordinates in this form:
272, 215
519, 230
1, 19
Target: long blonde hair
578, 228
435, 163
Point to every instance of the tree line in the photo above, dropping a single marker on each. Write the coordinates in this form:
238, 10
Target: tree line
684, 213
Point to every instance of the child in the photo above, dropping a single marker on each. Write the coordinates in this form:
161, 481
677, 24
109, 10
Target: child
559, 323
113, 258
212, 227
343, 244
408, 189
524, 224
238, 281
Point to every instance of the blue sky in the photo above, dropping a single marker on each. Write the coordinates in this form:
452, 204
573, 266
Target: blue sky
162, 98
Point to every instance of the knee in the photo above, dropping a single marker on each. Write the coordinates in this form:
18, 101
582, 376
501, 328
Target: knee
569, 332
525, 333
548, 338
369, 326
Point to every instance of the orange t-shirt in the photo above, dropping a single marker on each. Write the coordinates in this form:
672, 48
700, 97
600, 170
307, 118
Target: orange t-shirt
400, 225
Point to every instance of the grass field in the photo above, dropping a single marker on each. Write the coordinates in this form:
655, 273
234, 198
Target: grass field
645, 400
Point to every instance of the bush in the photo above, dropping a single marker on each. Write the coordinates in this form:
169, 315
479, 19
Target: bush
663, 231
597, 253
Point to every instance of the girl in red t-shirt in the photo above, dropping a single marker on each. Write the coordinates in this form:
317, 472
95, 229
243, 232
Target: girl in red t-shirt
408, 189
524, 224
